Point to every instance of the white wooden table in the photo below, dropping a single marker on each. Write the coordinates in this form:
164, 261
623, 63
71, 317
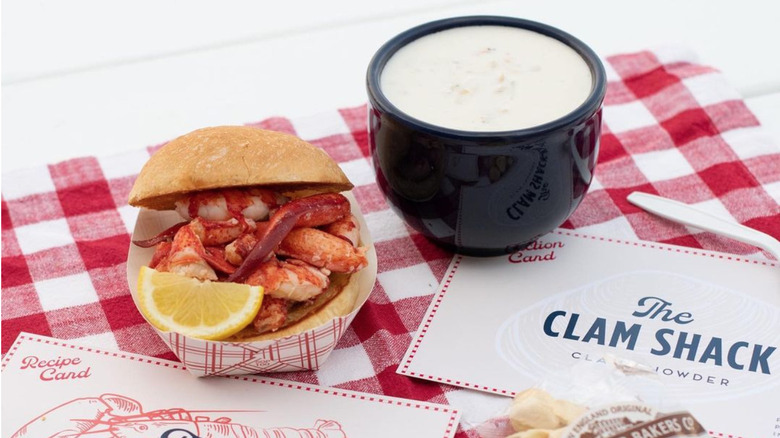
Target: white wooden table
87, 77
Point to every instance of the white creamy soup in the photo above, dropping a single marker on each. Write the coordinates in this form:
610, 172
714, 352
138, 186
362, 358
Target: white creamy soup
486, 78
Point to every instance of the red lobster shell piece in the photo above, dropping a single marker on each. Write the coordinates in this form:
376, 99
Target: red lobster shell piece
310, 211
215, 257
165, 236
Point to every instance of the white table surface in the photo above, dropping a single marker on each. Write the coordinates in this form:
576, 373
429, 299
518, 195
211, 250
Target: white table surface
87, 77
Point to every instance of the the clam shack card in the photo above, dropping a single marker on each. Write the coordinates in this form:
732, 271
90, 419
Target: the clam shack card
708, 324
54, 388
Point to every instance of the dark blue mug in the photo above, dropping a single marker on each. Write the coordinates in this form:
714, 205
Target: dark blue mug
483, 193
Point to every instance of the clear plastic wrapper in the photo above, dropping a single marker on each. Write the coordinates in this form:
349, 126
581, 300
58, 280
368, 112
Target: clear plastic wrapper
616, 398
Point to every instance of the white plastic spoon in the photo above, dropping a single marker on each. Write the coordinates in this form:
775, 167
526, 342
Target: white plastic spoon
696, 218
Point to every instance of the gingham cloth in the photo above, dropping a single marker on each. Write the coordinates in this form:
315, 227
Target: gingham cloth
671, 127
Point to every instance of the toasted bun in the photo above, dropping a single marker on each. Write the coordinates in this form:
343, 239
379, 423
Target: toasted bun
338, 300
234, 156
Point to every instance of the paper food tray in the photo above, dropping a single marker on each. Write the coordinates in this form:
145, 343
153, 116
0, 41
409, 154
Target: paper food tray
304, 351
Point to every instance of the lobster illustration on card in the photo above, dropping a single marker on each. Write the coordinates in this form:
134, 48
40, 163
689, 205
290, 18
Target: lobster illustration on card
117, 416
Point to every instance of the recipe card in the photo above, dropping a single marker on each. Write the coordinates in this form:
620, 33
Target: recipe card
56, 388
706, 324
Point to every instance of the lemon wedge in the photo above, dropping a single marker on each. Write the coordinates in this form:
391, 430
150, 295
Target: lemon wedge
201, 309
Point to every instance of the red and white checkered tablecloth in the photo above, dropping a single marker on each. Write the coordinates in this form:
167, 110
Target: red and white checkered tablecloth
672, 127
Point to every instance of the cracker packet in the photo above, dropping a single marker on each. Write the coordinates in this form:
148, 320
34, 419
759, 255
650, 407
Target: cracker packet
616, 399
